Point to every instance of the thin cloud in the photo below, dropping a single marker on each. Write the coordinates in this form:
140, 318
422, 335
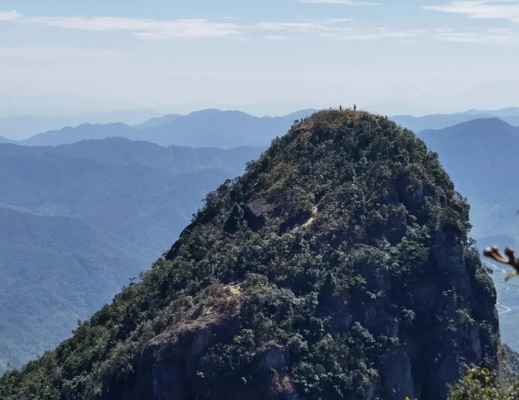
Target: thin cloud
9, 16
342, 2
338, 29
141, 28
481, 9
345, 29
38, 54
145, 29
376, 34
410, 41
335, 28
492, 37
276, 37
305, 26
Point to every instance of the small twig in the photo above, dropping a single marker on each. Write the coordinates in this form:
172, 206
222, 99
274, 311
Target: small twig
507, 258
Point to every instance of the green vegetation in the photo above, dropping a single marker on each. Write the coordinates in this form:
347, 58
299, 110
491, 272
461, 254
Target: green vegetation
338, 266
480, 384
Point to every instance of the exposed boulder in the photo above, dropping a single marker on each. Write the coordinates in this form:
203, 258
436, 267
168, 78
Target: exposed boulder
256, 210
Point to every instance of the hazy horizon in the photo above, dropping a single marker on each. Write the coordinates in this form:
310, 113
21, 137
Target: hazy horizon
400, 57
256, 110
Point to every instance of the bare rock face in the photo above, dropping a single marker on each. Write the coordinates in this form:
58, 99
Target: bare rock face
272, 358
256, 210
397, 374
169, 363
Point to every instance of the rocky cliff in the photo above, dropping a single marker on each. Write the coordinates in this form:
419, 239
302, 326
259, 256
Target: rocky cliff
337, 267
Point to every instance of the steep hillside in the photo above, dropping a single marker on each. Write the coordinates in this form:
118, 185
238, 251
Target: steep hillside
337, 266
79, 220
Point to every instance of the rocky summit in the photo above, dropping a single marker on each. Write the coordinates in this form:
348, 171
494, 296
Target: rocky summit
337, 267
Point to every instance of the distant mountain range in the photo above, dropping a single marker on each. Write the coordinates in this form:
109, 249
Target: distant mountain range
79, 220
207, 128
157, 122
5, 140
503, 112
24, 126
225, 129
440, 121
86, 131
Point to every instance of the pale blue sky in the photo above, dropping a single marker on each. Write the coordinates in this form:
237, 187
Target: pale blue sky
62, 57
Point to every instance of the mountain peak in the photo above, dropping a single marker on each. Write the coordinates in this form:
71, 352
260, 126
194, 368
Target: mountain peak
486, 122
480, 129
312, 275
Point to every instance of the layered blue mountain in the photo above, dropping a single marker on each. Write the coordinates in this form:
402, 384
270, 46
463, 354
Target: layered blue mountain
224, 126
5, 140
440, 121
207, 128
85, 131
225, 129
24, 126
157, 121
